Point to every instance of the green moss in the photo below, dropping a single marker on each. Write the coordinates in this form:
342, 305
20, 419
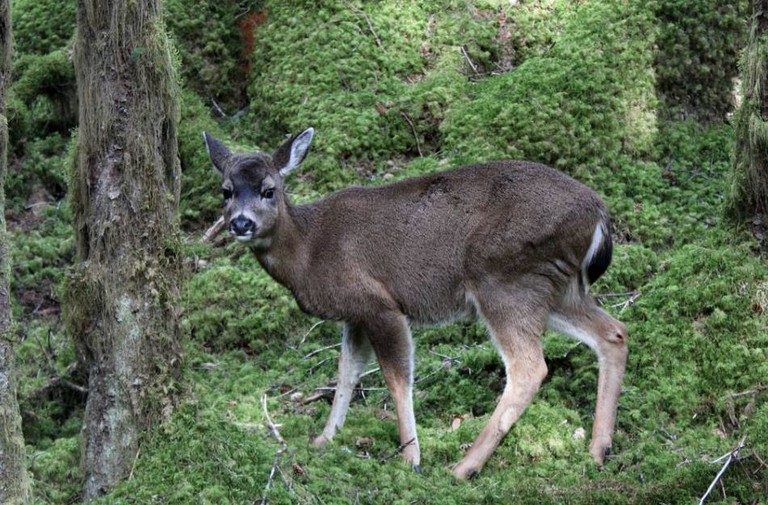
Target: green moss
42, 178
587, 100
210, 40
199, 202
56, 471
45, 84
40, 27
410, 65
576, 89
699, 45
236, 305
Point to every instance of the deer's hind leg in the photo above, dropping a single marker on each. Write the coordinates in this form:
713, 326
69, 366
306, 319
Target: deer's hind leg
515, 324
356, 351
580, 318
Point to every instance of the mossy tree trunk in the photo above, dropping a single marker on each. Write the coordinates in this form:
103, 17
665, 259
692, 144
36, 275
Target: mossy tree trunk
121, 305
14, 482
749, 195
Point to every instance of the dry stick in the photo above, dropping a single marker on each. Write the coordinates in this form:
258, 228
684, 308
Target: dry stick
318, 351
398, 450
731, 456
273, 429
413, 130
214, 230
318, 365
333, 388
322, 392
310, 331
133, 466
466, 56
635, 295
614, 295
362, 13
755, 391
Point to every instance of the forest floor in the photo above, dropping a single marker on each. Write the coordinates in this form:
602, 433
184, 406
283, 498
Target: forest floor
430, 85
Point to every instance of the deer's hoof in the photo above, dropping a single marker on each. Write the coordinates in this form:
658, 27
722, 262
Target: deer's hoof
464, 472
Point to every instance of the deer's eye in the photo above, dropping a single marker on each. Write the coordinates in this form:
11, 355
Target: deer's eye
268, 194
227, 193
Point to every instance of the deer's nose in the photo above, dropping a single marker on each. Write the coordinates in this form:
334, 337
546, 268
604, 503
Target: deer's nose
241, 225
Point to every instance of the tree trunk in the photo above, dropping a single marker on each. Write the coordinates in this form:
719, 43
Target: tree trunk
14, 482
749, 192
121, 305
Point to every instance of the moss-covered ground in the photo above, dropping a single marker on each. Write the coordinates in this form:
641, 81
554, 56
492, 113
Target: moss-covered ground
395, 89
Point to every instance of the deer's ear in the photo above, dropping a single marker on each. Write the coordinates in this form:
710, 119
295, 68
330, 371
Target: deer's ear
291, 154
217, 151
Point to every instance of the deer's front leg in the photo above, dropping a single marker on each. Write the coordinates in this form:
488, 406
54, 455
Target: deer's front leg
391, 339
355, 354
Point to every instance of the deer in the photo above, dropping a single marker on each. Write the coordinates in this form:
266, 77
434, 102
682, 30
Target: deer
516, 243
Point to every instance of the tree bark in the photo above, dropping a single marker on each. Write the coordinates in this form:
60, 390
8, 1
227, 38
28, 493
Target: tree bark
121, 305
14, 482
749, 192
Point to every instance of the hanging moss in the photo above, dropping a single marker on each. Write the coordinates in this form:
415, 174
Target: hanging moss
749, 185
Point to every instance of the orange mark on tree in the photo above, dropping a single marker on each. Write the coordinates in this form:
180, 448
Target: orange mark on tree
248, 25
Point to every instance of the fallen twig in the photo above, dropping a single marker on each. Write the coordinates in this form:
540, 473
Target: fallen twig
213, 231
310, 331
362, 13
756, 391
274, 430
400, 449
413, 130
323, 391
731, 456
444, 356
633, 295
133, 466
466, 56
318, 351
614, 295
359, 389
318, 365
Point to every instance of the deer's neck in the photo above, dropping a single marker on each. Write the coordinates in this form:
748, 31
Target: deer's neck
285, 257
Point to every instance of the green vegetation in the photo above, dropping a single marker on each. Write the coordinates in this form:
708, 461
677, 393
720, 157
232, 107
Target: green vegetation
395, 89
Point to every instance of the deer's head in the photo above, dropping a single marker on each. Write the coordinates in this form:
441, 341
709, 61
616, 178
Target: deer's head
252, 185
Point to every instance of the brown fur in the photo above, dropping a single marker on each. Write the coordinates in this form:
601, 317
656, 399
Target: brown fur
506, 240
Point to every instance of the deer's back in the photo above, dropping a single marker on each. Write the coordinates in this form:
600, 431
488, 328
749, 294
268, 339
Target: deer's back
424, 242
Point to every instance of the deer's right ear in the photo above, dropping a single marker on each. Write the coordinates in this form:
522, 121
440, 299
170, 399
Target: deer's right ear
217, 151
292, 153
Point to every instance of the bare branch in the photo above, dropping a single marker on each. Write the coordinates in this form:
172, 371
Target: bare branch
731, 456
466, 57
413, 130
318, 351
273, 429
397, 451
213, 231
362, 14
310, 331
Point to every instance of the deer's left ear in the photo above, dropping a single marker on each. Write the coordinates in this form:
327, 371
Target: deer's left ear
291, 154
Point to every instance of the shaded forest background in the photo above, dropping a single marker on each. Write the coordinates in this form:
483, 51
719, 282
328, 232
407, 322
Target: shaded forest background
634, 98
